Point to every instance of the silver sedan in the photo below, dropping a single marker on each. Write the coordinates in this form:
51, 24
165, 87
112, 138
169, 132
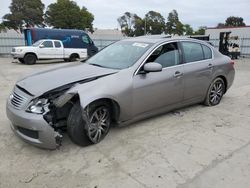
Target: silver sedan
127, 81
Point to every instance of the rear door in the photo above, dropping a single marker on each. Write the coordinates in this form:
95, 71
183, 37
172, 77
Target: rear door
198, 69
58, 49
156, 90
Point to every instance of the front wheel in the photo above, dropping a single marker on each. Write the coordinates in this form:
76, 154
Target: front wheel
215, 92
30, 59
91, 129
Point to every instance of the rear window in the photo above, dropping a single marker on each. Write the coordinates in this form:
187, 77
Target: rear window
57, 44
192, 52
207, 52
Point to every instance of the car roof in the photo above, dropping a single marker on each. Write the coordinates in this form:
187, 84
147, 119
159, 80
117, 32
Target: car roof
160, 38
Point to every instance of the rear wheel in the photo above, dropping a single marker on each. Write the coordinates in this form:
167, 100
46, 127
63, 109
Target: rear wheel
30, 59
91, 129
73, 57
215, 92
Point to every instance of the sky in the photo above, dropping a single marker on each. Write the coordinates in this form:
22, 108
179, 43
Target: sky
194, 12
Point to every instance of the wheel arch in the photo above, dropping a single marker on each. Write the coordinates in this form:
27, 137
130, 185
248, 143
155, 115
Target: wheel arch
225, 81
115, 107
32, 53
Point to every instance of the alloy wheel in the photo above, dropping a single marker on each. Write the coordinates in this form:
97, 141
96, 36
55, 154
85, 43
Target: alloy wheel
99, 123
216, 92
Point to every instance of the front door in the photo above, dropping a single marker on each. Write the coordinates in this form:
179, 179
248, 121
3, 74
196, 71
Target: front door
156, 90
46, 50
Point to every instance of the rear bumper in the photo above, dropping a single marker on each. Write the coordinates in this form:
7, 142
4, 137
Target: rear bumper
32, 128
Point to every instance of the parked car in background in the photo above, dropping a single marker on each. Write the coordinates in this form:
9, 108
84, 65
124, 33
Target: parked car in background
47, 49
127, 81
70, 38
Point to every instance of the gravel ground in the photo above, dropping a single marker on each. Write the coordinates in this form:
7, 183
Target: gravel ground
193, 147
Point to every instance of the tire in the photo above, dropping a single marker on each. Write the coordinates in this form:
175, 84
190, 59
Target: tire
73, 57
30, 59
21, 60
215, 92
88, 131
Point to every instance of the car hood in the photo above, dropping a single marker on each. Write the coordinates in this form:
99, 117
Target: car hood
44, 81
25, 47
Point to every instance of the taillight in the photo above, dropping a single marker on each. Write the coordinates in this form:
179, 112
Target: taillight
232, 63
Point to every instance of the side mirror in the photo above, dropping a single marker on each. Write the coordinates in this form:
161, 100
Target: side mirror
41, 46
152, 67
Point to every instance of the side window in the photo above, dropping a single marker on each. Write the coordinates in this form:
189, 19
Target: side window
167, 55
57, 44
48, 44
85, 39
207, 52
192, 51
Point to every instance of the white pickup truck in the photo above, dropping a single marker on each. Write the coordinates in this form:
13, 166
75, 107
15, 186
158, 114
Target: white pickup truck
47, 49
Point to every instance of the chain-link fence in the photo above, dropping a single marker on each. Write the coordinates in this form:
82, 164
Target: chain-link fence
244, 46
8, 42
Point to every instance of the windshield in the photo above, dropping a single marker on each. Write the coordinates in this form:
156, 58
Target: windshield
120, 55
37, 43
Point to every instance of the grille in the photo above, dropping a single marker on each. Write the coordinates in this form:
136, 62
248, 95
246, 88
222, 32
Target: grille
17, 100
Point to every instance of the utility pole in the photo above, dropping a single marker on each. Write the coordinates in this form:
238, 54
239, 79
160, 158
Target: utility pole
145, 26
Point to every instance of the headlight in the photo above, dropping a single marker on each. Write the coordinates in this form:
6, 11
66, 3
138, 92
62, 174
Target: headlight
37, 106
19, 50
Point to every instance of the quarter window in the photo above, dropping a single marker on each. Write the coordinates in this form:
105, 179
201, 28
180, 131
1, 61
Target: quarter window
167, 55
48, 44
85, 39
57, 44
192, 52
207, 52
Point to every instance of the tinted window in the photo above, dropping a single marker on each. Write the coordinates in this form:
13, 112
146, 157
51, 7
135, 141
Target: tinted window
57, 44
192, 51
167, 55
207, 52
48, 44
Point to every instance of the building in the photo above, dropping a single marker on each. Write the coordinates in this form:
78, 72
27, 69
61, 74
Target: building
242, 33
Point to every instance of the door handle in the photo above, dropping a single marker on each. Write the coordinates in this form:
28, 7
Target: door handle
210, 66
178, 74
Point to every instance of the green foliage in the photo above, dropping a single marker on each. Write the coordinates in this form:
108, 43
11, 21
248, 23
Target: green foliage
235, 21
173, 25
24, 13
188, 30
67, 14
220, 25
200, 31
131, 24
155, 23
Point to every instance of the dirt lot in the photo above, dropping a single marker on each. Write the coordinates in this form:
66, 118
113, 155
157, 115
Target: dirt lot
193, 147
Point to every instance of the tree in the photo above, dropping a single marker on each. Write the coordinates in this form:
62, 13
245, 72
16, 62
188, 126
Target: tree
131, 24
138, 26
24, 13
126, 23
220, 25
188, 30
200, 31
235, 21
67, 14
155, 23
173, 25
